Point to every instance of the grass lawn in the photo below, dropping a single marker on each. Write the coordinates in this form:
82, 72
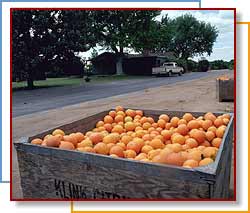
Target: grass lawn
69, 81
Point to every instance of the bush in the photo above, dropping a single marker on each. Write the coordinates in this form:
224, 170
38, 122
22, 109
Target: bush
203, 66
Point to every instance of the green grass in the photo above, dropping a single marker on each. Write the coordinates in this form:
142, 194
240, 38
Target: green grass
69, 81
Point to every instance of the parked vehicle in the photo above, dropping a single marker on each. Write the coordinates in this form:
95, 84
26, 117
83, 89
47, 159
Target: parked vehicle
168, 69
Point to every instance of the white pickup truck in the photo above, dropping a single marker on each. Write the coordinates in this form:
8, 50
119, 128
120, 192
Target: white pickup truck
168, 68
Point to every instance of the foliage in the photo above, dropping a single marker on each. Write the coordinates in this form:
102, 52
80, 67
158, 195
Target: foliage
203, 66
221, 64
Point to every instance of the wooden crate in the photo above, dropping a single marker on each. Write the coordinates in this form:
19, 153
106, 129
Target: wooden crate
62, 174
225, 90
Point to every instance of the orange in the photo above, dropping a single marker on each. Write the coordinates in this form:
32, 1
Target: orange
129, 154
141, 156
175, 159
119, 108
210, 116
132, 145
166, 134
158, 129
156, 144
146, 125
86, 149
206, 144
182, 129
143, 120
139, 112
140, 133
193, 124
109, 145
168, 126
99, 124
182, 121
119, 118
146, 137
37, 141
128, 119
191, 142
117, 150
210, 135
79, 136
191, 163
114, 156
220, 131
188, 117
174, 121
112, 113
146, 149
206, 124
175, 147
126, 139
195, 155
96, 137
121, 113
108, 119
53, 141
118, 129
164, 117
123, 145
218, 122
66, 145
198, 135
209, 152
85, 143
101, 148
213, 129
153, 153
58, 132
130, 113
139, 141
108, 127
225, 121
180, 139
150, 120
216, 142
205, 161
111, 138
71, 138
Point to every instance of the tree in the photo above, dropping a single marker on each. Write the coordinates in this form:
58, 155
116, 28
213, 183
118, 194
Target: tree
191, 37
118, 30
45, 35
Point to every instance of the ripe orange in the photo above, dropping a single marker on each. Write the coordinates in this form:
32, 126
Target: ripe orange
101, 148
150, 120
96, 137
195, 155
191, 163
86, 149
85, 143
213, 129
210, 135
141, 156
166, 134
193, 124
146, 149
206, 124
156, 144
129, 153
210, 116
175, 159
176, 147
153, 153
188, 117
168, 126
198, 135
53, 141
108, 119
182, 121
206, 144
132, 145
119, 108
109, 145
139, 112
37, 141
126, 139
108, 127
164, 117
191, 142
225, 121
220, 131
180, 139
118, 129
117, 150
119, 118
79, 136
66, 145
216, 142
146, 125
182, 129
209, 152
58, 132
111, 138
218, 122
128, 119
70, 138
174, 121
130, 113
205, 161
114, 156
99, 124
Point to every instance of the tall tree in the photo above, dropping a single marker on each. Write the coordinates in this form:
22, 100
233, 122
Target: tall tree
192, 37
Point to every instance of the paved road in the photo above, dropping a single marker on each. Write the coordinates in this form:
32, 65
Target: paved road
27, 102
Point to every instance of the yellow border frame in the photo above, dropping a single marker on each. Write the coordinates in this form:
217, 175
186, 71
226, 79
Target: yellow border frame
77, 211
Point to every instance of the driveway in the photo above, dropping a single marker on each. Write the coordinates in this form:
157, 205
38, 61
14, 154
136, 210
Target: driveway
27, 102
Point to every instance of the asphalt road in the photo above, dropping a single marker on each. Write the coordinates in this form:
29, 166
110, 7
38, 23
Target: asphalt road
27, 102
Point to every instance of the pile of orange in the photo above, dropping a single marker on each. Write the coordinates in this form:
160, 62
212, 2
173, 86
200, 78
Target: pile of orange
183, 141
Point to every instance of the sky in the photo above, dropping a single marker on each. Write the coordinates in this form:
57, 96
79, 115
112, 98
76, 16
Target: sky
223, 20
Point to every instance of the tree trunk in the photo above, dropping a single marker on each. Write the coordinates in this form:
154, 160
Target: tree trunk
119, 70
30, 82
